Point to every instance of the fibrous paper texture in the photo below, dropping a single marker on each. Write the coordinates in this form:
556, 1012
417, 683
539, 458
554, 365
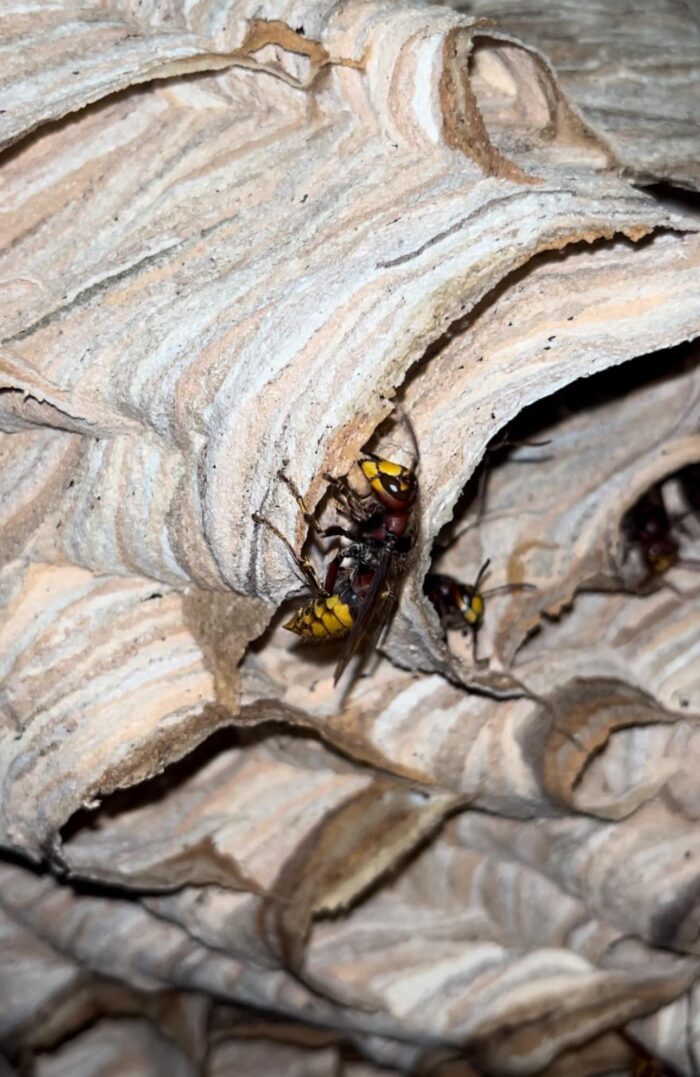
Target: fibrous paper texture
235, 237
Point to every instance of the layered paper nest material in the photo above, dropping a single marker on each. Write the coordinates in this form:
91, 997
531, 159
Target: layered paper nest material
235, 234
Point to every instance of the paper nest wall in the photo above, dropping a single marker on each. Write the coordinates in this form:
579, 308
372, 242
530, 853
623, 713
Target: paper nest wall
234, 235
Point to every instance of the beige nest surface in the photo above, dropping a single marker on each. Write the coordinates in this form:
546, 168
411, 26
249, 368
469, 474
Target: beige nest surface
243, 236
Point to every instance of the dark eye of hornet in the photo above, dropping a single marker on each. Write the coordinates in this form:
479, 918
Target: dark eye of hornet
360, 589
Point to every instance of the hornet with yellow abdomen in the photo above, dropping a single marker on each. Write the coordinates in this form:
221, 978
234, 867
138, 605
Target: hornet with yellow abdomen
330, 614
360, 590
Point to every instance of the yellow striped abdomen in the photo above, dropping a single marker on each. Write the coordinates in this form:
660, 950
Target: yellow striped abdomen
323, 619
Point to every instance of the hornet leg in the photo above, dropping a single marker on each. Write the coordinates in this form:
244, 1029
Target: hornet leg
304, 565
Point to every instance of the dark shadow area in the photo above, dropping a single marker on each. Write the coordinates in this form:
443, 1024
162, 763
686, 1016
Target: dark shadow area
154, 790
525, 438
676, 199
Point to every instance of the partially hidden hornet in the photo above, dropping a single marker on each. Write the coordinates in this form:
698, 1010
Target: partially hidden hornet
649, 528
360, 588
463, 605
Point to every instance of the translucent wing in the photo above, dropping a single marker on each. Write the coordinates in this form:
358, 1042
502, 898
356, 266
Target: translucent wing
374, 613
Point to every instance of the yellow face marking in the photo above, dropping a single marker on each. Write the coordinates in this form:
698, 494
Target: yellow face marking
369, 470
373, 471
662, 562
473, 610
